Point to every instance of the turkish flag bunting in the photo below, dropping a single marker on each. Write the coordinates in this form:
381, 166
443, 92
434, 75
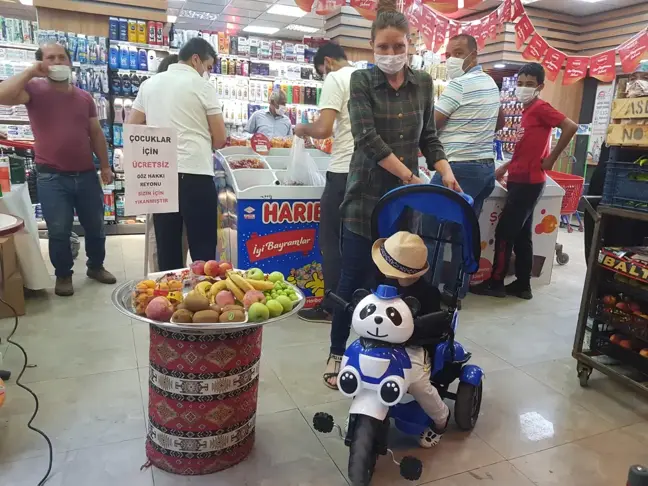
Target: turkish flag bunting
493, 22
506, 11
440, 33
453, 28
413, 11
523, 29
632, 50
427, 27
517, 9
576, 69
553, 61
536, 49
602, 66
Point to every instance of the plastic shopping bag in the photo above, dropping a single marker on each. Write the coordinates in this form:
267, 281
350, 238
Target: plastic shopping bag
302, 170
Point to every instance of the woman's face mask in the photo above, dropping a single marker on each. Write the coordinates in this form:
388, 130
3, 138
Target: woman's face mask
390, 64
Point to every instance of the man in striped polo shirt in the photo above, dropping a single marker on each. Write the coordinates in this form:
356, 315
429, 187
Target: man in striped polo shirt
467, 116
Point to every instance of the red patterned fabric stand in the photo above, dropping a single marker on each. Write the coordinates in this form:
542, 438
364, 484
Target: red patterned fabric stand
202, 399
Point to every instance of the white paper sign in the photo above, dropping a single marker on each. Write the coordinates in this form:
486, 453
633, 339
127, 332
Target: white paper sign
150, 170
600, 118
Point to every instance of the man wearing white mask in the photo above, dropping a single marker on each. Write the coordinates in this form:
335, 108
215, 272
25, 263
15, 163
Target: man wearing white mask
67, 132
272, 122
183, 98
467, 115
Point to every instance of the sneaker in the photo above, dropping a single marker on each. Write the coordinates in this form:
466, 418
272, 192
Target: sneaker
518, 289
101, 275
316, 314
490, 288
432, 435
64, 287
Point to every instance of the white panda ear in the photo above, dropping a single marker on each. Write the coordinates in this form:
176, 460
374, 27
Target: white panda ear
413, 304
358, 295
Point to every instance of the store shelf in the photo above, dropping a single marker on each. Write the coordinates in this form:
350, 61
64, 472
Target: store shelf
144, 46
11, 121
12, 45
133, 71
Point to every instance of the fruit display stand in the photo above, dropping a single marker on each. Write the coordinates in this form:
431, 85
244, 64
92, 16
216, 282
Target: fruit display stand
203, 379
612, 331
265, 224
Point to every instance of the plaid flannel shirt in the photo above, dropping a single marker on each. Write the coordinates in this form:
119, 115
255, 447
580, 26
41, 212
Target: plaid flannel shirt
385, 121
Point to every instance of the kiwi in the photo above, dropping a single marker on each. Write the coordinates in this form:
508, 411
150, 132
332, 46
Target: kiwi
195, 302
182, 316
205, 316
232, 316
216, 307
181, 306
233, 307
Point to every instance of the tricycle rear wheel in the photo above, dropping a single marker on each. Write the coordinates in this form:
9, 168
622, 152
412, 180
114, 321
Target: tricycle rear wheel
363, 454
467, 405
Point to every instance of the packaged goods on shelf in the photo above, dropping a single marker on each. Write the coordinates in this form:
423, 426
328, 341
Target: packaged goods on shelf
512, 110
137, 31
18, 31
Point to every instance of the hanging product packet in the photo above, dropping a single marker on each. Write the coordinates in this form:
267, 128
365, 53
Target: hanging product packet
302, 170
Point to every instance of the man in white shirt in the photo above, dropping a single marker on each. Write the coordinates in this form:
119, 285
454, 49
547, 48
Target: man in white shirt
272, 122
184, 99
331, 62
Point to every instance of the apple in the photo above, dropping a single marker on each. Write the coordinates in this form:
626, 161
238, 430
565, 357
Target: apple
212, 268
224, 267
610, 300
275, 308
623, 306
634, 307
255, 274
616, 338
626, 343
224, 297
258, 312
276, 277
644, 352
285, 302
252, 296
198, 267
159, 309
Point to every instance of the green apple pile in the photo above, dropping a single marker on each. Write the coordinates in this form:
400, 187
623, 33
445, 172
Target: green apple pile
281, 297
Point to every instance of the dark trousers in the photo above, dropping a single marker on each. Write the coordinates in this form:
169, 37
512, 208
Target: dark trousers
198, 201
515, 230
329, 228
358, 271
60, 194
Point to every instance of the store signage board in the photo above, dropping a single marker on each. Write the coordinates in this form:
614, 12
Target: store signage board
600, 118
628, 135
150, 170
630, 108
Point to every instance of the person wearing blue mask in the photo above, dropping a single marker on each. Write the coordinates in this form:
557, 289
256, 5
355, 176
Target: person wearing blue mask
272, 122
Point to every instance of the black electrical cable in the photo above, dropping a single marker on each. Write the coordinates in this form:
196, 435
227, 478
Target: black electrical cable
29, 424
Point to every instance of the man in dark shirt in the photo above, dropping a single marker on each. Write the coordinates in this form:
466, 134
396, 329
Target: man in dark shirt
67, 132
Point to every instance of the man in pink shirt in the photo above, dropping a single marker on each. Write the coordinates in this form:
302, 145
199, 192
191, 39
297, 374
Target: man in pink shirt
67, 132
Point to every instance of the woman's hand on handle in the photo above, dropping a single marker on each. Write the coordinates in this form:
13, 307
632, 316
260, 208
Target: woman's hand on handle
447, 176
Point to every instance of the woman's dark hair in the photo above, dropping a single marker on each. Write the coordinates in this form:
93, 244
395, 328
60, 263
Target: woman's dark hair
197, 45
389, 16
166, 62
535, 70
330, 49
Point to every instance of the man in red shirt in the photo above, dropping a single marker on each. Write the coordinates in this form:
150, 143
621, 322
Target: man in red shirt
526, 180
66, 132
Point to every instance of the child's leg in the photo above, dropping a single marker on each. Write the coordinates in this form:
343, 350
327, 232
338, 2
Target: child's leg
422, 390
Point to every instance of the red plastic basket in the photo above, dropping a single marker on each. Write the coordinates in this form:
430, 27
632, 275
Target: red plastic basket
573, 186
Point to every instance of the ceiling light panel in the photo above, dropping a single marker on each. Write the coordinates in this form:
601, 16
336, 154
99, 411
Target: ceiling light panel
194, 14
286, 11
302, 28
251, 5
258, 29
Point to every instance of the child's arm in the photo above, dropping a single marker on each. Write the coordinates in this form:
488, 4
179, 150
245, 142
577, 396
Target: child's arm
568, 128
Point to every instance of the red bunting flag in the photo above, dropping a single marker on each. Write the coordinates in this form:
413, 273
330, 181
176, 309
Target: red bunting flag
517, 9
440, 34
506, 11
367, 8
493, 22
325, 7
553, 61
414, 11
482, 32
576, 69
632, 50
427, 26
602, 66
536, 49
453, 28
523, 29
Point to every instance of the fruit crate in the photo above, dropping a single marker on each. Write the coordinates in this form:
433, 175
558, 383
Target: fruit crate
633, 326
601, 343
626, 186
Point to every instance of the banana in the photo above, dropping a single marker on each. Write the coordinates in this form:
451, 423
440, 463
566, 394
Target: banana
217, 287
203, 288
238, 293
240, 281
260, 284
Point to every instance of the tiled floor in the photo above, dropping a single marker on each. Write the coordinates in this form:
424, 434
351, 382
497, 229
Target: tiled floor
537, 425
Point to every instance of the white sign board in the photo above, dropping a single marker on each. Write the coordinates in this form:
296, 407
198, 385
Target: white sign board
600, 118
150, 170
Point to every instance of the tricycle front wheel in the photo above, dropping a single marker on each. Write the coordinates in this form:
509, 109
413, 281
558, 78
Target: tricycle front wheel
363, 454
467, 405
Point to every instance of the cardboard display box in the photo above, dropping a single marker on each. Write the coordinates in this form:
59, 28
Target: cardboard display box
11, 282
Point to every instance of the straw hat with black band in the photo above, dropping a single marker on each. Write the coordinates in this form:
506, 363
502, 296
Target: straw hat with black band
402, 255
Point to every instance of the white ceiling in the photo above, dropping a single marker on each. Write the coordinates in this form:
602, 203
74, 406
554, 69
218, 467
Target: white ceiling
233, 15
570, 7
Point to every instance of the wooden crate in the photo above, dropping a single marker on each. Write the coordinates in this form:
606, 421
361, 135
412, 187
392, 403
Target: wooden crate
629, 125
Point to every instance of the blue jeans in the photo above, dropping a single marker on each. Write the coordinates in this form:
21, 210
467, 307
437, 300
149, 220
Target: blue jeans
59, 195
358, 271
477, 179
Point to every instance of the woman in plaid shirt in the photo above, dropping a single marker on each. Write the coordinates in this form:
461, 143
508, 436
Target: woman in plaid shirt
392, 116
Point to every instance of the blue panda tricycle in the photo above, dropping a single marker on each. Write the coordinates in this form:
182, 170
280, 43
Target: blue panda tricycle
374, 370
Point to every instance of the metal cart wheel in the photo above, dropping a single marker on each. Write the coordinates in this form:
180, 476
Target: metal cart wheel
584, 373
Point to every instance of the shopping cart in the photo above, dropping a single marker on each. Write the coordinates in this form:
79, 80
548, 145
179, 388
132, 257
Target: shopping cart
573, 186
